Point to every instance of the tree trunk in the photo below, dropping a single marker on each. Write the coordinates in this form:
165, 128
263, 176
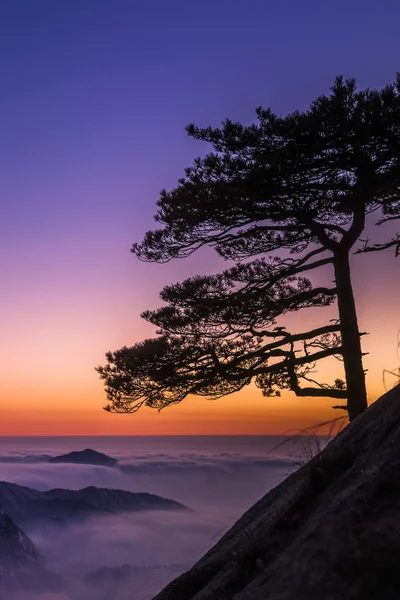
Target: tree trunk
352, 354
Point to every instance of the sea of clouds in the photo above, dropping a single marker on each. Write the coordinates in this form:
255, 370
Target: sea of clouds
154, 546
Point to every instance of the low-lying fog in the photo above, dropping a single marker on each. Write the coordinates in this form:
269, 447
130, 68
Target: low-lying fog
154, 546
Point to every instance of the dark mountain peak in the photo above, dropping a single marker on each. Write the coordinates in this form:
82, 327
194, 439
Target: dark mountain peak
113, 500
25, 504
85, 457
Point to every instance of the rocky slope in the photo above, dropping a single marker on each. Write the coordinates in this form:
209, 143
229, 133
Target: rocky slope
15, 546
330, 530
26, 504
18, 556
21, 568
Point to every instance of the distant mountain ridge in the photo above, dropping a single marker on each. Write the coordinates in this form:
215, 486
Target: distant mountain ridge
85, 457
80, 457
27, 504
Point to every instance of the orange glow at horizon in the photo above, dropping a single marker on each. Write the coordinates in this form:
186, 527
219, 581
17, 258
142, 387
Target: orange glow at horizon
51, 345
44, 407
246, 413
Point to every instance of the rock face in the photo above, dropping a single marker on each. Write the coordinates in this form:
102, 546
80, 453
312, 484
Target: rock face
26, 504
86, 457
15, 546
330, 530
21, 569
17, 552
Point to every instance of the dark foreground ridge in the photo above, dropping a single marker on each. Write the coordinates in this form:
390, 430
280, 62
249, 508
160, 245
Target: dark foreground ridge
26, 504
85, 457
331, 530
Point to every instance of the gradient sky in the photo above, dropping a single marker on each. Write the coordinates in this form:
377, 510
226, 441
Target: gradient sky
94, 99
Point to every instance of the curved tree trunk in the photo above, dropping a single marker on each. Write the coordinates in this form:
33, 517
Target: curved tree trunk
352, 353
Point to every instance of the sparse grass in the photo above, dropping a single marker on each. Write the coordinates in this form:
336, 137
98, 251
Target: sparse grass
310, 441
395, 372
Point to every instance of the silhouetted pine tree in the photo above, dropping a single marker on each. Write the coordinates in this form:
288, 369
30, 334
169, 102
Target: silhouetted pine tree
300, 186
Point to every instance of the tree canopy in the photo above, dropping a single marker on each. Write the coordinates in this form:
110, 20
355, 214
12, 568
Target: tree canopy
279, 199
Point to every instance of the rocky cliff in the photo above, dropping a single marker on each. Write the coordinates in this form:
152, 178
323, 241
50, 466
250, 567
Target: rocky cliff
14, 544
17, 552
330, 530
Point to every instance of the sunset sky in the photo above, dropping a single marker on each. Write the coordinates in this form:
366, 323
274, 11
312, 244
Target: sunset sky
95, 96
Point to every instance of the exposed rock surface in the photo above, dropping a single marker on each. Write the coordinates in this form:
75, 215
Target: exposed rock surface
26, 504
15, 546
21, 568
86, 457
18, 555
330, 530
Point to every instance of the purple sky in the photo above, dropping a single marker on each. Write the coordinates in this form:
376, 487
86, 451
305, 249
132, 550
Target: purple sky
95, 96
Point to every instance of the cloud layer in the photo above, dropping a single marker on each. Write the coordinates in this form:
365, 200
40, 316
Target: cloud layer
218, 484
